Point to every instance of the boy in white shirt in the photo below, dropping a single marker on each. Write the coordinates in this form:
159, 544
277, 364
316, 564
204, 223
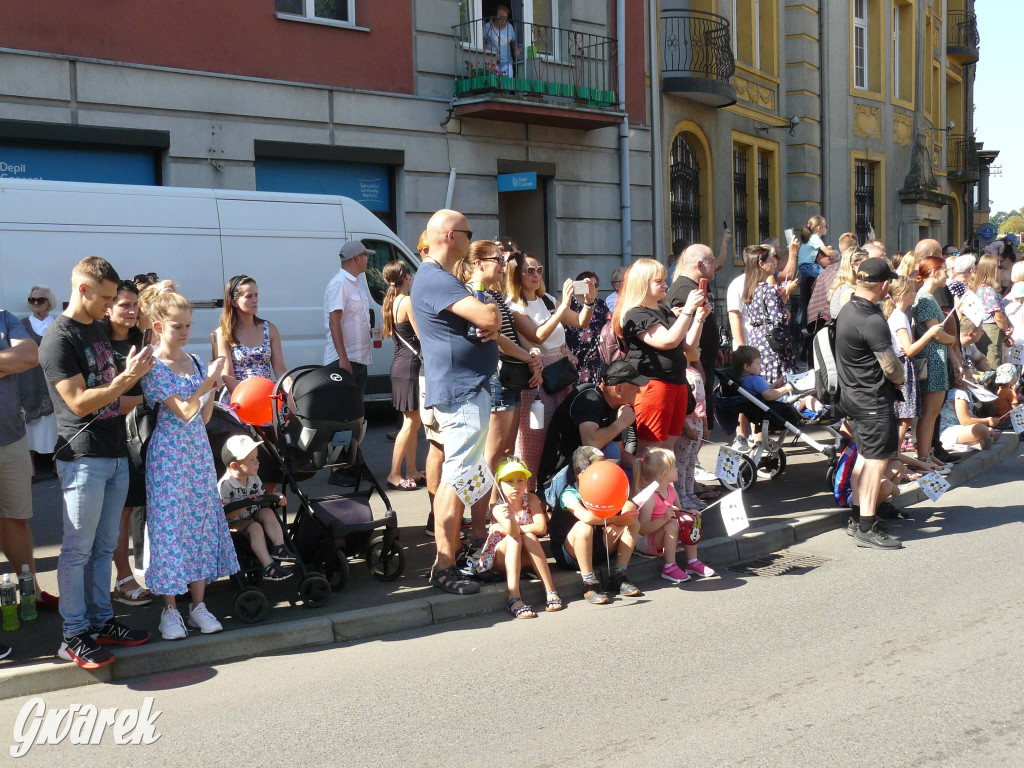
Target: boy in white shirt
239, 482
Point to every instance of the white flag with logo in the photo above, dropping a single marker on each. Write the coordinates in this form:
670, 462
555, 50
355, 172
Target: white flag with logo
472, 483
1017, 419
727, 467
972, 308
934, 485
734, 516
1014, 355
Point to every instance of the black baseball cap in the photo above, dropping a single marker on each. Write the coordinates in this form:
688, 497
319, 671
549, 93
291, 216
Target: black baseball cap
876, 270
621, 372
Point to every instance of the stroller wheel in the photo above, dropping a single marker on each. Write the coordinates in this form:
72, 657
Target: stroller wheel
830, 477
251, 605
333, 564
772, 465
385, 566
314, 590
746, 476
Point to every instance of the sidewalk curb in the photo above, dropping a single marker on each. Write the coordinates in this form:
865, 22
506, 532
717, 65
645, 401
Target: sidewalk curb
360, 624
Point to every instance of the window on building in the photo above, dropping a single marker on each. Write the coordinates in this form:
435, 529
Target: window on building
764, 196
753, 34
740, 222
326, 10
684, 192
864, 196
903, 51
860, 44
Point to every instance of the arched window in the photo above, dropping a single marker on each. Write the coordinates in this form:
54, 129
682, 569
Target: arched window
684, 195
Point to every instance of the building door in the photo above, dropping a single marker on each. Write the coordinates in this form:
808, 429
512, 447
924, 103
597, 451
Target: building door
522, 216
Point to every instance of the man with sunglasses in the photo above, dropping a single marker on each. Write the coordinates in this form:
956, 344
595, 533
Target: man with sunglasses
457, 367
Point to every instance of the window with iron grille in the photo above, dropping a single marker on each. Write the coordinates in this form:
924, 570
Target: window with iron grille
863, 198
764, 201
684, 192
739, 198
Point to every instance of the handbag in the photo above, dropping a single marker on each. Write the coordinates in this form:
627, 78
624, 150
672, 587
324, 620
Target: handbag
920, 367
514, 374
777, 337
559, 375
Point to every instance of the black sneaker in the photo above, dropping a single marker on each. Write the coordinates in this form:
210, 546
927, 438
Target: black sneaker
5, 651
451, 581
84, 651
593, 593
876, 538
274, 572
619, 583
851, 526
116, 633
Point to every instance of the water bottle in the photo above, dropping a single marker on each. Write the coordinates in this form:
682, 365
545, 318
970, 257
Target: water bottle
9, 604
537, 415
478, 291
27, 587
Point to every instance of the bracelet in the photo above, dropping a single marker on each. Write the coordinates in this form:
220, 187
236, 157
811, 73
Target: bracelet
590, 305
689, 314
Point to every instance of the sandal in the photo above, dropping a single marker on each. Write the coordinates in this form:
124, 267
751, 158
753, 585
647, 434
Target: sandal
405, 484
709, 495
520, 610
554, 602
137, 596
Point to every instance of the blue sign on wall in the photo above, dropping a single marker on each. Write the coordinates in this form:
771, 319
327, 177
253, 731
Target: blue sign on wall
366, 183
70, 164
987, 232
517, 182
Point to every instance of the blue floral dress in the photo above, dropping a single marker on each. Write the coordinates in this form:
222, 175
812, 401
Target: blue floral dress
766, 311
253, 361
583, 342
188, 533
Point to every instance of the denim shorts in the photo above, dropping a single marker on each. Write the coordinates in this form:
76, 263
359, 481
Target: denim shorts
504, 399
463, 430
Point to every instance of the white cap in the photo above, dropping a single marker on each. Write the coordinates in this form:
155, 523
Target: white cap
237, 447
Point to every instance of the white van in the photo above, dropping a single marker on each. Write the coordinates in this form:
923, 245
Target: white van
200, 238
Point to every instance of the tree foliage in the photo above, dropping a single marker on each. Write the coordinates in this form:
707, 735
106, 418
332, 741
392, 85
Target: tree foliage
1014, 222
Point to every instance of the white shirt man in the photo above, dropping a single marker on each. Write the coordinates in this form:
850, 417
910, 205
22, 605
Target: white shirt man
347, 313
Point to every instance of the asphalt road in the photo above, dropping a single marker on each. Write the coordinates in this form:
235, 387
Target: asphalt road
908, 658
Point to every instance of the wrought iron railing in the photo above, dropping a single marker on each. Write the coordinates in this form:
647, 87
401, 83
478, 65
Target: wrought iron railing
962, 156
962, 30
696, 44
534, 60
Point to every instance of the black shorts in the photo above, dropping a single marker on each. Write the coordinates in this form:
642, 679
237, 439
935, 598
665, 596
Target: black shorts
877, 437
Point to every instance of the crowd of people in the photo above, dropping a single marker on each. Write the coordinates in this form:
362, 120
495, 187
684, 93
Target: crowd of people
502, 374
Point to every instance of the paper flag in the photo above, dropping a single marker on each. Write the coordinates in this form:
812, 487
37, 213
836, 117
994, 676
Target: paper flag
980, 394
641, 498
727, 467
972, 308
734, 516
1013, 355
1017, 419
472, 483
934, 485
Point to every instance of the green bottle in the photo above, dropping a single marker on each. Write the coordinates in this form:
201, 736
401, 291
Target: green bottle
27, 587
9, 604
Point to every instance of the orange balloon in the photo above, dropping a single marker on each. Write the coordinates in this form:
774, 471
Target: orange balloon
604, 488
251, 400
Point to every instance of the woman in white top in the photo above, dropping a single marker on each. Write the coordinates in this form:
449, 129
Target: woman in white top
1013, 309
540, 321
902, 292
40, 420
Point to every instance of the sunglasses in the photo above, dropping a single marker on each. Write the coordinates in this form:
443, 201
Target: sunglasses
144, 276
467, 232
37, 299
495, 259
538, 271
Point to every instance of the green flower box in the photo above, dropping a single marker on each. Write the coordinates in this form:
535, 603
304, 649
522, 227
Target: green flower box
538, 86
521, 85
506, 83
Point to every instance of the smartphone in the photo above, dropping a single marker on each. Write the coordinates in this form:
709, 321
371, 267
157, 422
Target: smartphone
581, 287
702, 286
788, 236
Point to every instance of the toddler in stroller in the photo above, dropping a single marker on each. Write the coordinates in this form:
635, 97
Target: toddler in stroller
249, 509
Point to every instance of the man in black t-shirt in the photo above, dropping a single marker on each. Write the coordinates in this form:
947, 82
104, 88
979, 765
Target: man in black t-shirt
869, 375
592, 415
696, 263
91, 457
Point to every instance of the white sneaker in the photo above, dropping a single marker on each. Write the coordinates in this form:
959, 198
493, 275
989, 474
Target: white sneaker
201, 618
172, 626
740, 444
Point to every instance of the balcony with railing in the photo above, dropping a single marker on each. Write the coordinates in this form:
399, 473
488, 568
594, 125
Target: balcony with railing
962, 158
962, 38
538, 74
696, 57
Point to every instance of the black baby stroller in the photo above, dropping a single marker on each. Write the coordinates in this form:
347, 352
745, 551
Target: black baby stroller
766, 459
324, 429
251, 603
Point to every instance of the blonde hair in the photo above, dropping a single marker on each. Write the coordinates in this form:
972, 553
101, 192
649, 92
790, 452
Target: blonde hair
847, 266
653, 465
50, 295
633, 292
988, 272
907, 266
163, 302
898, 288
478, 249
514, 278
1017, 273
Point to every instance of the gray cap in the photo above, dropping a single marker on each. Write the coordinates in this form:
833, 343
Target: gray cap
352, 249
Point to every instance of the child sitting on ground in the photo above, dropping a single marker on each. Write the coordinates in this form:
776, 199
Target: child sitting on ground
579, 537
662, 522
959, 427
240, 481
1007, 396
518, 522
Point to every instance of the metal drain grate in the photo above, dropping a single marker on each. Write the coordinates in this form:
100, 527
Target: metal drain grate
778, 563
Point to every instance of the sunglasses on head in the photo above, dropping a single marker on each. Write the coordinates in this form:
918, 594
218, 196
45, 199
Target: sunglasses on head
143, 277
127, 285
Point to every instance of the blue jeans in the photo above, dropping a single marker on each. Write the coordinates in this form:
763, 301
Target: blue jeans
94, 493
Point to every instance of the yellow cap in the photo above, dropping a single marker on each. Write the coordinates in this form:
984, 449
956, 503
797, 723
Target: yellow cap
511, 466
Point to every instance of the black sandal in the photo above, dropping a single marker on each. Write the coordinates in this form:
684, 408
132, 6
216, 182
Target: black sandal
554, 602
518, 609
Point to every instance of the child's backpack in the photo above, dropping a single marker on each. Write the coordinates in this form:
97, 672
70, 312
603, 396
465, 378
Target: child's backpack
826, 373
610, 346
842, 487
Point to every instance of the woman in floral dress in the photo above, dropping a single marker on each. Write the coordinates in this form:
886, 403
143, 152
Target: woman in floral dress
767, 311
583, 342
189, 541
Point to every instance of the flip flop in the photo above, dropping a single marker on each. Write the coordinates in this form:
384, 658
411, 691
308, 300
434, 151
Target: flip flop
407, 484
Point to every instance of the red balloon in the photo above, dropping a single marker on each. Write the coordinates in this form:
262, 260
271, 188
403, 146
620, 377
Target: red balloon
604, 488
251, 400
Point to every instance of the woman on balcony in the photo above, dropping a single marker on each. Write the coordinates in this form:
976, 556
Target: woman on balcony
500, 38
